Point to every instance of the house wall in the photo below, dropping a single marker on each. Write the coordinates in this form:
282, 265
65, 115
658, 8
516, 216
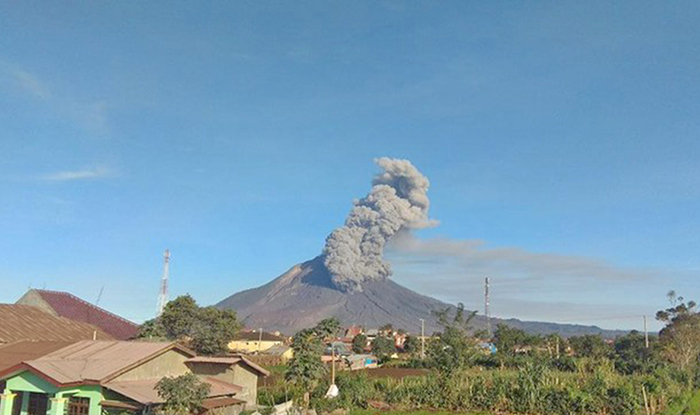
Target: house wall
237, 374
27, 381
251, 346
170, 363
33, 299
248, 380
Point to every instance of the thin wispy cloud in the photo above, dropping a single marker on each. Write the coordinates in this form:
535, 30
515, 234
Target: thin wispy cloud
526, 284
76, 175
30, 84
91, 115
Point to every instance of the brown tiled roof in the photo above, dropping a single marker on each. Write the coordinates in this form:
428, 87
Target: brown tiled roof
144, 391
15, 353
23, 322
212, 403
96, 361
69, 306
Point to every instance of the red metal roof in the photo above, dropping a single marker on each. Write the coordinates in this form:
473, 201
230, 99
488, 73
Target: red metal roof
69, 306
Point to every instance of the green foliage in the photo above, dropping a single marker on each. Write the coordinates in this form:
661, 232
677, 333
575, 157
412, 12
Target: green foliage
182, 395
590, 345
327, 328
679, 340
306, 369
455, 348
383, 347
359, 343
153, 329
411, 344
213, 330
208, 330
508, 339
631, 355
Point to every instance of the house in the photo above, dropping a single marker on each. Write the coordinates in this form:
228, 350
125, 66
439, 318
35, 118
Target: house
284, 353
63, 304
111, 377
23, 322
361, 361
353, 331
236, 370
255, 341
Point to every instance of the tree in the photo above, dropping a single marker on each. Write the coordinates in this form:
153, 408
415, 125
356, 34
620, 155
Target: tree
207, 330
411, 344
359, 343
590, 345
179, 317
632, 355
387, 329
182, 395
213, 330
383, 347
680, 338
327, 328
306, 368
508, 340
455, 348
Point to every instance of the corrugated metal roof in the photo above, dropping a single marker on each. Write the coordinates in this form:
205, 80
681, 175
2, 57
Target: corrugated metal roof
16, 353
145, 392
229, 360
95, 360
22, 322
69, 306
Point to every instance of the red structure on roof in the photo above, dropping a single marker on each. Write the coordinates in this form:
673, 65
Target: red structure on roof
67, 305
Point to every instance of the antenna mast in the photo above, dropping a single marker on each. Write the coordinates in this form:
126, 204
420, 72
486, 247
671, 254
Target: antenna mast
163, 295
487, 303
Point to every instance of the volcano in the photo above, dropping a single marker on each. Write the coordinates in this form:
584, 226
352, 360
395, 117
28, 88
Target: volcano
306, 294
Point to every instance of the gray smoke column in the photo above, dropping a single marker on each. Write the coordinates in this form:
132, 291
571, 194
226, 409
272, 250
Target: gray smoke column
398, 201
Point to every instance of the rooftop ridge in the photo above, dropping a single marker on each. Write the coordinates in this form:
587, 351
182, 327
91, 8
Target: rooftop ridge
40, 291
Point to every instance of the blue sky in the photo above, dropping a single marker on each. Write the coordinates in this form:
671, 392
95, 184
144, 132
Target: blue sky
560, 138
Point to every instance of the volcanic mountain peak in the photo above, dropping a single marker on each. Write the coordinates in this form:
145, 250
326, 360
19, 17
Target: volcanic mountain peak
305, 294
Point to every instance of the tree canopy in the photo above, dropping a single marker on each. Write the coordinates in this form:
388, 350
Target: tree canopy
182, 395
208, 330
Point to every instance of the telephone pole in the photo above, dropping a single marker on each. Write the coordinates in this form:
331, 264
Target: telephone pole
646, 333
422, 338
487, 303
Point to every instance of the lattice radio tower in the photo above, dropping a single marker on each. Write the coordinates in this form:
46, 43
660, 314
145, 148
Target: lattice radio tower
163, 295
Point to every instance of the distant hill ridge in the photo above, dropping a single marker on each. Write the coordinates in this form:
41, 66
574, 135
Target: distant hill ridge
305, 294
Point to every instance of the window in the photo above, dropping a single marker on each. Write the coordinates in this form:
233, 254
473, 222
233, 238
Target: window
78, 406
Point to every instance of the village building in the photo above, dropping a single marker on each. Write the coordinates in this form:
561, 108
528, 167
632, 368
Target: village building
283, 352
255, 341
103, 377
361, 361
63, 304
23, 322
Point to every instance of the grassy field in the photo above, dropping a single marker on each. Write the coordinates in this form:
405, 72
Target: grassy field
375, 412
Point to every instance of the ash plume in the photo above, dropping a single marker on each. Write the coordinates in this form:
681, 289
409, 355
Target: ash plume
398, 201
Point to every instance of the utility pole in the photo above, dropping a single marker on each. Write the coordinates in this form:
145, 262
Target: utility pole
487, 301
332, 365
646, 333
260, 340
163, 295
422, 338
